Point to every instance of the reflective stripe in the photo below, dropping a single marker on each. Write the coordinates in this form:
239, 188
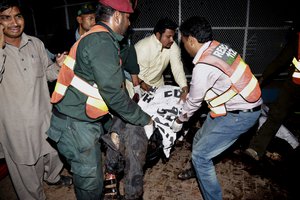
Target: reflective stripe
97, 103
223, 98
249, 88
296, 63
296, 74
218, 111
238, 73
69, 62
85, 88
209, 95
60, 88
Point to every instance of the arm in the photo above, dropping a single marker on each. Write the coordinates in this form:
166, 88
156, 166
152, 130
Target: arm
178, 71
108, 75
177, 66
2, 56
281, 62
51, 69
203, 78
144, 65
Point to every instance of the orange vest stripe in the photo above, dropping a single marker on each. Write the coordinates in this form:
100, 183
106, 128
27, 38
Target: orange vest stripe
95, 105
230, 62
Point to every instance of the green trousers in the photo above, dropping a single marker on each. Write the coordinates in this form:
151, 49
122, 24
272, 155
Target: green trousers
78, 142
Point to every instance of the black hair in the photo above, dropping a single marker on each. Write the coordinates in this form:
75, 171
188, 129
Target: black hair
103, 13
163, 24
6, 4
197, 27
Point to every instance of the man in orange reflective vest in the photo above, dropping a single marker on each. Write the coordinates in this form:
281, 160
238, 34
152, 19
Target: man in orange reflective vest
289, 97
225, 81
91, 83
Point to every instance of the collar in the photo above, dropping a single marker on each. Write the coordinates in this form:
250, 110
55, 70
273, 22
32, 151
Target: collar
200, 52
77, 35
158, 44
24, 40
117, 36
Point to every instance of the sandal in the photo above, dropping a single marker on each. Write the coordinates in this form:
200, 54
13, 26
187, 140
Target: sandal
110, 187
187, 174
63, 181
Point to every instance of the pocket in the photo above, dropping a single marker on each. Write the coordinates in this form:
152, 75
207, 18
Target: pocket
86, 134
54, 134
37, 67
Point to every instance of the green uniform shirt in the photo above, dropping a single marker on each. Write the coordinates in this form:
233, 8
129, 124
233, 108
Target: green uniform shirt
98, 61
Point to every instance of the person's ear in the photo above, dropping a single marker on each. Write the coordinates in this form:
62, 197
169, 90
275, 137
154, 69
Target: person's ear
117, 17
158, 35
192, 41
79, 19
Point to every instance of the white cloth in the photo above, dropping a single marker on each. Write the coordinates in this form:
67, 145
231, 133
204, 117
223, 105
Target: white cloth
162, 105
282, 132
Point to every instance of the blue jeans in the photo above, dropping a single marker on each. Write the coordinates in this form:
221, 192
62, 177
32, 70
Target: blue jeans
215, 136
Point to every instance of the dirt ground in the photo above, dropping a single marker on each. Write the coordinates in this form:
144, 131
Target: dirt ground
240, 178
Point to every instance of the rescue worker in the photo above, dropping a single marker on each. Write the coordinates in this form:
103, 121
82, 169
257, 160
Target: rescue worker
64, 39
25, 107
289, 97
156, 52
222, 79
90, 82
86, 19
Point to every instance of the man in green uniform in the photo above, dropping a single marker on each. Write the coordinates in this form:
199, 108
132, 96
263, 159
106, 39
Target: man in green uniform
97, 62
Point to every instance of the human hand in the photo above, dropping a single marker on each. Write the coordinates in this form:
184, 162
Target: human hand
137, 93
183, 95
145, 86
60, 58
176, 125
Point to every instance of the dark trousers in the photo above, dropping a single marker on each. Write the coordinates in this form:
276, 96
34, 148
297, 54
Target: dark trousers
78, 141
132, 150
285, 104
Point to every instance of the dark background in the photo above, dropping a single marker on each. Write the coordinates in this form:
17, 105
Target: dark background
257, 29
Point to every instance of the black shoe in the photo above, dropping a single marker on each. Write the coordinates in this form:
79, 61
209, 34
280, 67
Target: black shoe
63, 181
187, 174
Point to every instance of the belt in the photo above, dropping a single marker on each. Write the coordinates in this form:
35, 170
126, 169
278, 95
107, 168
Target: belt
59, 114
246, 110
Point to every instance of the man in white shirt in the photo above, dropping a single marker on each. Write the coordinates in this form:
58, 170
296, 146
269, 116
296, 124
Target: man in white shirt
226, 83
155, 52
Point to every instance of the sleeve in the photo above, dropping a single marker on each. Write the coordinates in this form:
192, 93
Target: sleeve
203, 78
51, 68
131, 64
143, 60
282, 61
2, 62
108, 75
177, 66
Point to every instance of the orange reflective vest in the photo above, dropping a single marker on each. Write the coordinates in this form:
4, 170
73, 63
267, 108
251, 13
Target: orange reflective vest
243, 81
296, 63
95, 105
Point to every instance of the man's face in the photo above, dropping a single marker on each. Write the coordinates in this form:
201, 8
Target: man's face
13, 22
87, 21
166, 38
125, 22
